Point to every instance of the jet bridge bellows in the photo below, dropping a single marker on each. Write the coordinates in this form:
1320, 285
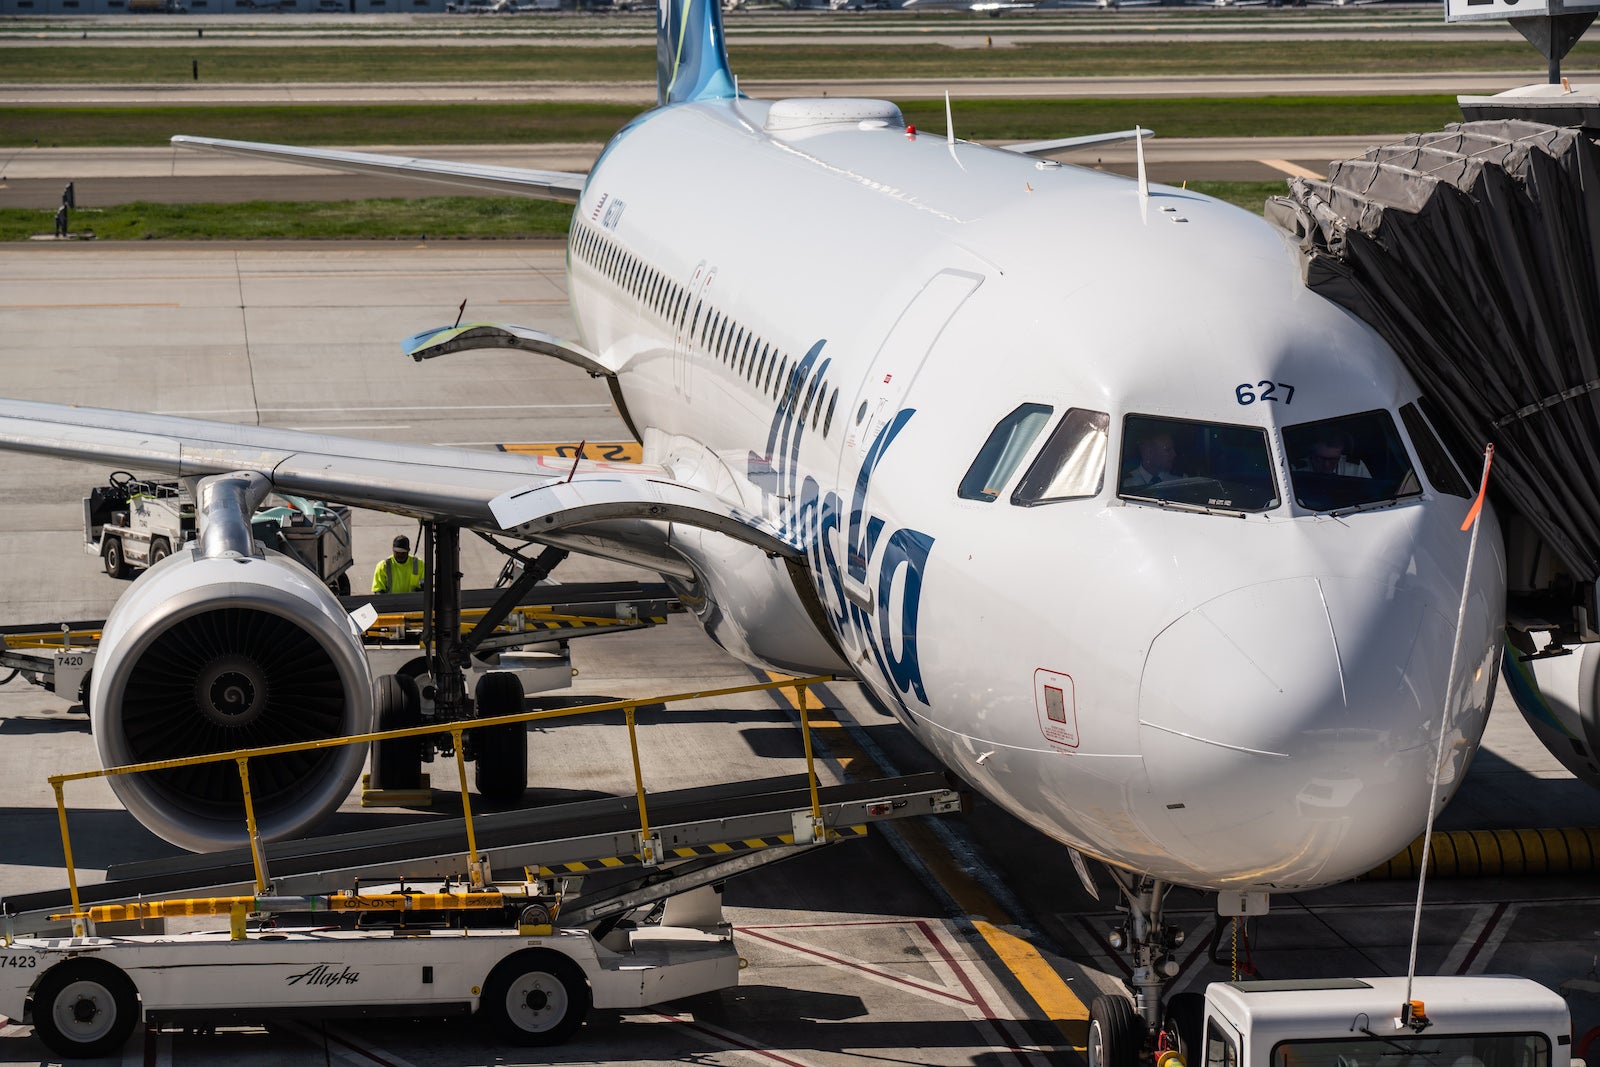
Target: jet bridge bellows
1475, 252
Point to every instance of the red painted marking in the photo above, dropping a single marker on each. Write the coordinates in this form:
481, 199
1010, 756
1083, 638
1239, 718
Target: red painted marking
729, 1038
1581, 1049
353, 1047
967, 983
911, 983
1488, 927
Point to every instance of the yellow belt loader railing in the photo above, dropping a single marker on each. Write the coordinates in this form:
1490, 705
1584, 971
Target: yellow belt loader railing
649, 845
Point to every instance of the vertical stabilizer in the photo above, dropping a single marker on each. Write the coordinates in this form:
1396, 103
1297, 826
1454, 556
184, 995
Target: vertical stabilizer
691, 56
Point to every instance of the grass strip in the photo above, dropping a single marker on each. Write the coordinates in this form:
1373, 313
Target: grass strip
566, 61
980, 120
434, 218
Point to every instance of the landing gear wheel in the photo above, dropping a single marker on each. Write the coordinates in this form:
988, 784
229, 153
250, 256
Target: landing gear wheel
500, 753
116, 563
536, 998
397, 764
1184, 1017
159, 550
1115, 1032
85, 1007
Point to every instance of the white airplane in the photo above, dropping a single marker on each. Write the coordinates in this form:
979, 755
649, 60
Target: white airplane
1171, 574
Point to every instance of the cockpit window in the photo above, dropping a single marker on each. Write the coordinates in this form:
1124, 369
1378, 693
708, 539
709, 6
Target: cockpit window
1196, 464
1003, 452
1436, 464
1349, 462
1072, 463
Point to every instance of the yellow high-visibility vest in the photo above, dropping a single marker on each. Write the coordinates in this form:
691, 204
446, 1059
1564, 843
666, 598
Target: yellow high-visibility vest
392, 577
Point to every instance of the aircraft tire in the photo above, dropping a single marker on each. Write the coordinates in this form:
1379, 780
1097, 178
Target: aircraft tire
397, 764
1184, 1017
500, 753
1115, 1032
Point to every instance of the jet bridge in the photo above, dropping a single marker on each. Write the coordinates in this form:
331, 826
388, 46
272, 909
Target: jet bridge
1475, 252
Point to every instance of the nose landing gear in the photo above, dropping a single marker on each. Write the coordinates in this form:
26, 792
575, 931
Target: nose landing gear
1124, 1033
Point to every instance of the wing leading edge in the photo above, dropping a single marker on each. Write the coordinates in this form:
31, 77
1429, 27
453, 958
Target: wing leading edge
515, 181
617, 510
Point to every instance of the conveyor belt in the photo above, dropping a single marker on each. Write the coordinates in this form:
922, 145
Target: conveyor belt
549, 836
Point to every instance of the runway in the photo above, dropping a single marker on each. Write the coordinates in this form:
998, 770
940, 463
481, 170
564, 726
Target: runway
959, 941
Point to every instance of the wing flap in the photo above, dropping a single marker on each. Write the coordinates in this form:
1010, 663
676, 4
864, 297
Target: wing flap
511, 181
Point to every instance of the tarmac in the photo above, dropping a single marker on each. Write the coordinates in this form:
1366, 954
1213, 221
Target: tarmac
963, 940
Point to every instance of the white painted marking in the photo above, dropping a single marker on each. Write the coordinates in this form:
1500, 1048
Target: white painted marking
1469, 937
1496, 938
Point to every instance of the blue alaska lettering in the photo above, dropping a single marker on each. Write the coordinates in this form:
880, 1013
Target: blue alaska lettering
816, 521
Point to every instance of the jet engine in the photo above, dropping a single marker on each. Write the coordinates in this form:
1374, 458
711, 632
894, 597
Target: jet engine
228, 645
1560, 698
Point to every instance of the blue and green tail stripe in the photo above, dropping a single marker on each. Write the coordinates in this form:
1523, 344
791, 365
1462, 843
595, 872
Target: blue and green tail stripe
691, 53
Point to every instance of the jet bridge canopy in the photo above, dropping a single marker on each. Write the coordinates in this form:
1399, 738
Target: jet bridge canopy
1475, 252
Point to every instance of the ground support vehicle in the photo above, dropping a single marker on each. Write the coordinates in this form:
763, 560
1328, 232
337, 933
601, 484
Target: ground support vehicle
611, 906
1449, 1021
534, 983
131, 524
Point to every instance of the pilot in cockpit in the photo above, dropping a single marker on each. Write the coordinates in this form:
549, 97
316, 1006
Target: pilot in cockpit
1329, 455
1157, 457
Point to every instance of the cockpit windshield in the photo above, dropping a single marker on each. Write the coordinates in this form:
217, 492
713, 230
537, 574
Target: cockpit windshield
1352, 461
1196, 464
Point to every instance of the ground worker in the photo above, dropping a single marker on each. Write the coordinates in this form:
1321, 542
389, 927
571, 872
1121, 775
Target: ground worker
400, 572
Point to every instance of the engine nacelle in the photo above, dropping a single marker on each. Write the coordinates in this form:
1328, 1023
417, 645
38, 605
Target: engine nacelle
209, 653
1560, 698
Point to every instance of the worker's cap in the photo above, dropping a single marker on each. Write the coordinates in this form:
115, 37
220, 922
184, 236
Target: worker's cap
402, 541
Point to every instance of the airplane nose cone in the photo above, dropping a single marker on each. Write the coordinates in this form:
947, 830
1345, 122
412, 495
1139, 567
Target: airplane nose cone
1288, 729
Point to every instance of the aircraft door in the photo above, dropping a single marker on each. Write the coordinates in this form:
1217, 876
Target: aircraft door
683, 342
897, 362
883, 388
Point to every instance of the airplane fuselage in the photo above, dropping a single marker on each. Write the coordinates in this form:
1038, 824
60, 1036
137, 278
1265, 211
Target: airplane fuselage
831, 321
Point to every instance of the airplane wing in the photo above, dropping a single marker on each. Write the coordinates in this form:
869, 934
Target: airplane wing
616, 510
1062, 144
515, 181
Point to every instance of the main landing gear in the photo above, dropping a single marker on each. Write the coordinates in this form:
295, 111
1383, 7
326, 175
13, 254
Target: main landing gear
1124, 1033
433, 690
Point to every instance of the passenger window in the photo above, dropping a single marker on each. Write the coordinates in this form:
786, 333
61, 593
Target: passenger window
1003, 452
1072, 463
1352, 461
1196, 464
1442, 474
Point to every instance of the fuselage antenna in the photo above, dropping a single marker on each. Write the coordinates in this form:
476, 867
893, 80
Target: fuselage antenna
1138, 152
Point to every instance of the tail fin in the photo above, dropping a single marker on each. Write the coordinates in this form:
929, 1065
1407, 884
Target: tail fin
691, 56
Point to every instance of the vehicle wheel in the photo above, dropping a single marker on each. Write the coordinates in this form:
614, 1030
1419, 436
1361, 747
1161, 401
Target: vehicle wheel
116, 564
159, 550
85, 1007
397, 764
341, 584
536, 998
500, 753
1115, 1031
1184, 1017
